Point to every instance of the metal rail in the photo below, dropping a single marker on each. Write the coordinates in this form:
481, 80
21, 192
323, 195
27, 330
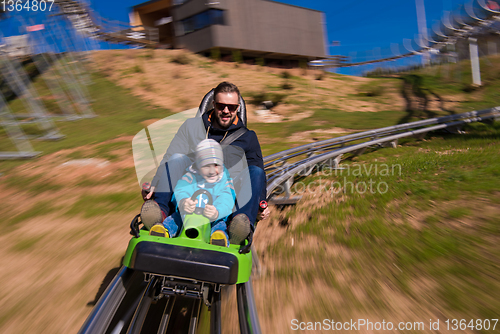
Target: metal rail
247, 311
130, 300
105, 309
281, 168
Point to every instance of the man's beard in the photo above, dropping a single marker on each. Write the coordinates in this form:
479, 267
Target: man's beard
219, 121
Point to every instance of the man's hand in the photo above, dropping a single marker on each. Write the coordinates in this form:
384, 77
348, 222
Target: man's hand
149, 194
264, 214
210, 212
188, 205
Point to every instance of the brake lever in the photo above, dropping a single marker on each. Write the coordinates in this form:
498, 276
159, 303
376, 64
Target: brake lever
134, 226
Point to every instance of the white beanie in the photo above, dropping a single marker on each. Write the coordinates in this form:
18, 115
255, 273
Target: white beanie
209, 151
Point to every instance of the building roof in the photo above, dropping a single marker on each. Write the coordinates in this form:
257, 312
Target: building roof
149, 3
287, 4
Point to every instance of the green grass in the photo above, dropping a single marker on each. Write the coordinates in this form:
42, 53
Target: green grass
33, 184
325, 119
98, 205
372, 89
459, 212
39, 209
104, 150
335, 118
257, 98
118, 113
133, 70
436, 178
26, 244
123, 175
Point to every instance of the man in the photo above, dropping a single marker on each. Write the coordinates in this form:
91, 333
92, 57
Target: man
219, 123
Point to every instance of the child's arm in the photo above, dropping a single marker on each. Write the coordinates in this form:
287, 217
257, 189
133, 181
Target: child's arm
211, 212
187, 205
226, 196
183, 190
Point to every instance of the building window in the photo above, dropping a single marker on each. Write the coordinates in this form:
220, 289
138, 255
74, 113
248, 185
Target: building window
201, 20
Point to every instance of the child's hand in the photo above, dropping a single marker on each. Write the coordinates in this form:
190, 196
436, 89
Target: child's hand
210, 212
188, 205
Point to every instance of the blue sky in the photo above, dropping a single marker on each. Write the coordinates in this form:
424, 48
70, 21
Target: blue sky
364, 28
366, 24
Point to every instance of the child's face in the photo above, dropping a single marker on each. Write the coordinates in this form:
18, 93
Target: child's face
211, 172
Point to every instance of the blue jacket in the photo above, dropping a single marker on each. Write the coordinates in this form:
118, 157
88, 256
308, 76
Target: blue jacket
222, 191
248, 141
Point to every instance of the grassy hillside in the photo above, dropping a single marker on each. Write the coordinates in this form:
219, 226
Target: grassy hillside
427, 247
409, 234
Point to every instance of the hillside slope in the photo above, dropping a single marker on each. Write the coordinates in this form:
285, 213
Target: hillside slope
428, 248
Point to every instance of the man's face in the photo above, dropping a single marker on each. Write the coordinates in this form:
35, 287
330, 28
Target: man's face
226, 106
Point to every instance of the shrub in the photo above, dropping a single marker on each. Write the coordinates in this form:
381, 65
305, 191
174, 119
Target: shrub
469, 88
131, 70
150, 54
258, 97
286, 75
237, 57
176, 74
181, 59
137, 69
286, 85
215, 54
372, 90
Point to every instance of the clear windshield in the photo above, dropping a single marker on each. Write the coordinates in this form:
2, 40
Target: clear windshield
164, 153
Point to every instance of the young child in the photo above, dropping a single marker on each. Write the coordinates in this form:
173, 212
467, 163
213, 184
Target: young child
208, 172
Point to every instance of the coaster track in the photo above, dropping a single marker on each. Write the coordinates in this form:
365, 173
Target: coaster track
129, 306
282, 168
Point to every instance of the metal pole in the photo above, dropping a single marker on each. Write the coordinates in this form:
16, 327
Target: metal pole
167, 313
79, 87
73, 63
215, 314
422, 28
20, 84
72, 87
15, 133
43, 65
247, 310
142, 310
474, 61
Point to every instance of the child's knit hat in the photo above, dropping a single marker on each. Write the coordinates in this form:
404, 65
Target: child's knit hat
209, 151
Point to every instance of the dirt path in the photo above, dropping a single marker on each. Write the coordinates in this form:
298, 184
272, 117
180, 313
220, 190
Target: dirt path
157, 78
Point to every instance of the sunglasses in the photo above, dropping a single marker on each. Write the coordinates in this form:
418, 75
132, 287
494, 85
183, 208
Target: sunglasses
230, 107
